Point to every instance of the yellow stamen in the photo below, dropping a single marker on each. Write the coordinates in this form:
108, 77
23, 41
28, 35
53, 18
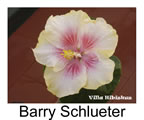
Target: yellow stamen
68, 54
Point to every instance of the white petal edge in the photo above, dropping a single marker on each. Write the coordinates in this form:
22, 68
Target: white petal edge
100, 75
108, 38
46, 54
61, 85
105, 35
60, 24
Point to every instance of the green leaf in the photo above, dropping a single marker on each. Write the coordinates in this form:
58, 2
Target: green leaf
93, 18
108, 89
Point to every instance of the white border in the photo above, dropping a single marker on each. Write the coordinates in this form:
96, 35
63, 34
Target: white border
9, 111
71, 3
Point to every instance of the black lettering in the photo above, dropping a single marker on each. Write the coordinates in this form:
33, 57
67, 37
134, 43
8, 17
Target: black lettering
109, 111
115, 112
40, 110
122, 111
52, 113
33, 112
45, 111
23, 111
102, 111
63, 109
84, 111
96, 113
72, 112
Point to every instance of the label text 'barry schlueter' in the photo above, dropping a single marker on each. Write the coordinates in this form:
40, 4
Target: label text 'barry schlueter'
67, 111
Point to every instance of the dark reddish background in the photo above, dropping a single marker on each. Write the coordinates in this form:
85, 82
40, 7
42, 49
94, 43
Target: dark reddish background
25, 75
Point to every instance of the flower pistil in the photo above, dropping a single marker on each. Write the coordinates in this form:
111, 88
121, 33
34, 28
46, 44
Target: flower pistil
69, 54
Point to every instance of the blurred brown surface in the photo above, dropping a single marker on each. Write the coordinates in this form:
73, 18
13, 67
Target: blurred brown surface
25, 75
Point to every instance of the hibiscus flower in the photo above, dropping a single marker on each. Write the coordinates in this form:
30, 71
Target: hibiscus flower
75, 50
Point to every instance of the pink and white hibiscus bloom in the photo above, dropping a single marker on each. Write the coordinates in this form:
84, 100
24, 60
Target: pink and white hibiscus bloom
76, 51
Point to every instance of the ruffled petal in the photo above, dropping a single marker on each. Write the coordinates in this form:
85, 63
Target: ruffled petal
64, 28
99, 71
68, 81
99, 37
47, 54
